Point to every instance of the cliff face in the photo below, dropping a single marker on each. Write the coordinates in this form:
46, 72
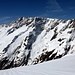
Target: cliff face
34, 40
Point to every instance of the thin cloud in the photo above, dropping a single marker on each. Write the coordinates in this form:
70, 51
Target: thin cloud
52, 9
53, 6
5, 19
71, 8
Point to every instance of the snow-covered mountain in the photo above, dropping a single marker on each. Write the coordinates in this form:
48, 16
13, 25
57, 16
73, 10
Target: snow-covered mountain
30, 41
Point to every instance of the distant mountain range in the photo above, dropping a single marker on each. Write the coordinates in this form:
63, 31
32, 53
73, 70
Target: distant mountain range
33, 40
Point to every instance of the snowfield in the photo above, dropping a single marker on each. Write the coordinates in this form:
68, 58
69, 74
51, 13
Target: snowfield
63, 66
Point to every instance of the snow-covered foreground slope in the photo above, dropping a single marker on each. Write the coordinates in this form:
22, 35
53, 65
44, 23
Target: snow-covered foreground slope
63, 66
29, 41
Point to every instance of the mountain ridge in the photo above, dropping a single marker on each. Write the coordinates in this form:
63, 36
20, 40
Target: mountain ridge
28, 41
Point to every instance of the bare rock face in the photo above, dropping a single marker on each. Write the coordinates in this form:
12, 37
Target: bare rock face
30, 41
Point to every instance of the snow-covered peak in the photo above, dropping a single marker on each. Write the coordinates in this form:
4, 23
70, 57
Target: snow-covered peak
34, 40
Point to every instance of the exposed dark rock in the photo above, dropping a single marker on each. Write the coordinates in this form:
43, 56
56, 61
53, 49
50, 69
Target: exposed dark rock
3, 62
61, 43
43, 57
59, 56
61, 39
52, 56
70, 32
64, 21
54, 25
67, 48
54, 36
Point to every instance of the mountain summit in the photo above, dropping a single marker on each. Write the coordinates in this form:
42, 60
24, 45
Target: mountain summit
29, 41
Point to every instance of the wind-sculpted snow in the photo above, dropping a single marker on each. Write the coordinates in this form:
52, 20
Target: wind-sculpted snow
63, 66
35, 40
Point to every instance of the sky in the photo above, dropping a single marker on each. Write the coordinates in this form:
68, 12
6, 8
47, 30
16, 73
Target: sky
10, 10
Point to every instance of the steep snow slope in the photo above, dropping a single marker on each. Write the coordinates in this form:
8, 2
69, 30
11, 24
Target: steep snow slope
34, 40
63, 66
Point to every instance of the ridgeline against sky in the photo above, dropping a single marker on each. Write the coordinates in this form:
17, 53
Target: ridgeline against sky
12, 9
